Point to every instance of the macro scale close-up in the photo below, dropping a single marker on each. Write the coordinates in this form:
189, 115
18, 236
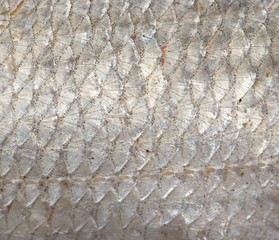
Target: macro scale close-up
139, 119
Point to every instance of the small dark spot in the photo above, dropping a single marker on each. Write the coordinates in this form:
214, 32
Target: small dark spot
241, 174
240, 100
9, 206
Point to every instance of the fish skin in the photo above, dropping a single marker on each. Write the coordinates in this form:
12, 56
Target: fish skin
124, 119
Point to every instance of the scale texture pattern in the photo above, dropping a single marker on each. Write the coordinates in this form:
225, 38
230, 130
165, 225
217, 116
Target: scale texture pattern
139, 119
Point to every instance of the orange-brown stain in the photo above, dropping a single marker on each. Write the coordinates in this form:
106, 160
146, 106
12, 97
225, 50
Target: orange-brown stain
209, 170
19, 6
244, 124
178, 2
5, 12
164, 48
267, 74
189, 171
50, 214
209, 45
10, 206
2, 26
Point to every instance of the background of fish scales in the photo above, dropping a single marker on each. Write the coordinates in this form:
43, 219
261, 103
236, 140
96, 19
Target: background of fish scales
139, 119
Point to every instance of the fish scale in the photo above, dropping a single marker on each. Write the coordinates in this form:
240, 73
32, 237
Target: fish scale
124, 119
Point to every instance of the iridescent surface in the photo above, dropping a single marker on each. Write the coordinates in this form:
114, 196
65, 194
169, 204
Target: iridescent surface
139, 119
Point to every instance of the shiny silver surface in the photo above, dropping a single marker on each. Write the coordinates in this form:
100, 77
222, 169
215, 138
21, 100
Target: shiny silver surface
139, 119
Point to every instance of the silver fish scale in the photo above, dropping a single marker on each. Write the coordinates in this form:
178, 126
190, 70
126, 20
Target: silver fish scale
148, 119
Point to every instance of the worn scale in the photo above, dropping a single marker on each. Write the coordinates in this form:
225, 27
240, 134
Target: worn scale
139, 119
